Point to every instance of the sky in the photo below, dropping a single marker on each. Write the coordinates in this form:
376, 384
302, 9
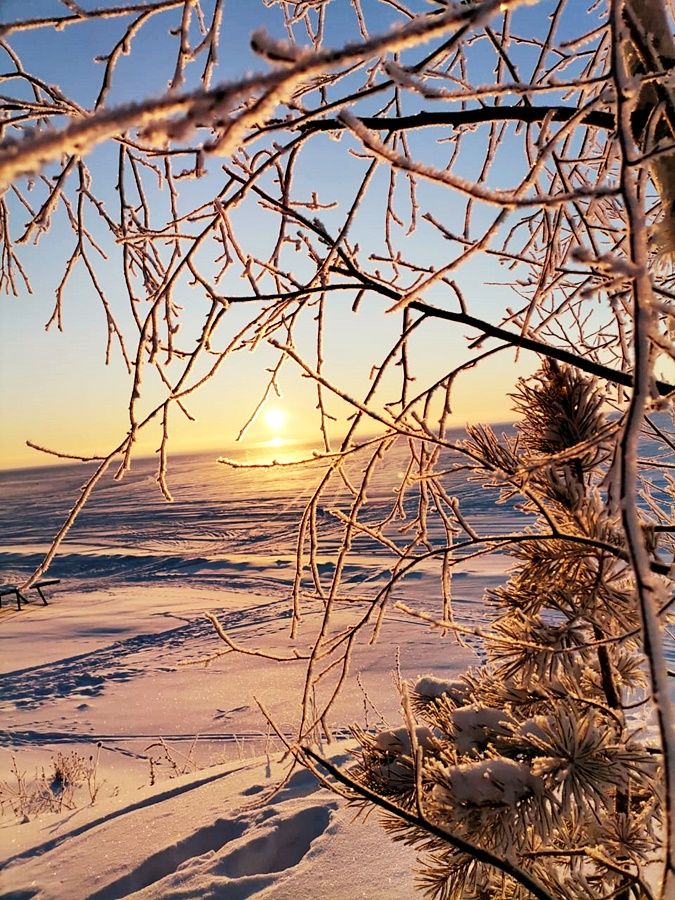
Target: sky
57, 389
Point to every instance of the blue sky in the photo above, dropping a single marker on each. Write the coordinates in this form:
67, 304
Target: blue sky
56, 389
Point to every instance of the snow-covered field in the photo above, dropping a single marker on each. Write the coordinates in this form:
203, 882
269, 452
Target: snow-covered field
115, 668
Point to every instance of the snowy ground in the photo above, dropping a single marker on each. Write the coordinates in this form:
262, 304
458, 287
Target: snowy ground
205, 836
116, 662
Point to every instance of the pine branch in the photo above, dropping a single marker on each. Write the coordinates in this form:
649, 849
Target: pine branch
479, 853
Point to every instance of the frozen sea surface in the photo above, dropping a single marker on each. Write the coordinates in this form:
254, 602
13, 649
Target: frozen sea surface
221, 525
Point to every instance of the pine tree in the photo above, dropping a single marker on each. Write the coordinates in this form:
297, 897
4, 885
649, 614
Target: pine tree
533, 755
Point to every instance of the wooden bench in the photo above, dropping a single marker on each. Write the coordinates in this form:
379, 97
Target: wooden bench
8, 590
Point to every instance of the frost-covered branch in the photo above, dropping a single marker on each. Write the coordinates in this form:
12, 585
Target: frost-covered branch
503, 171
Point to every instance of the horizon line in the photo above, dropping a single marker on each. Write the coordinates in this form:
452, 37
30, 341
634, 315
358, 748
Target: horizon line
51, 461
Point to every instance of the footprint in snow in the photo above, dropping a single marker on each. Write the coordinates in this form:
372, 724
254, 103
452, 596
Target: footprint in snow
242, 854
169, 860
282, 847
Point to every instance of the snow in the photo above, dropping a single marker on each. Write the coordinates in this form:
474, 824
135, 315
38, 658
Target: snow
489, 782
476, 726
123, 664
211, 831
431, 688
398, 740
205, 836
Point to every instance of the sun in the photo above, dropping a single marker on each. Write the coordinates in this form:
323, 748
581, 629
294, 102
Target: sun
274, 419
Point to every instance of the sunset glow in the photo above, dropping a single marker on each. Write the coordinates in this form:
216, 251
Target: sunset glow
275, 419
